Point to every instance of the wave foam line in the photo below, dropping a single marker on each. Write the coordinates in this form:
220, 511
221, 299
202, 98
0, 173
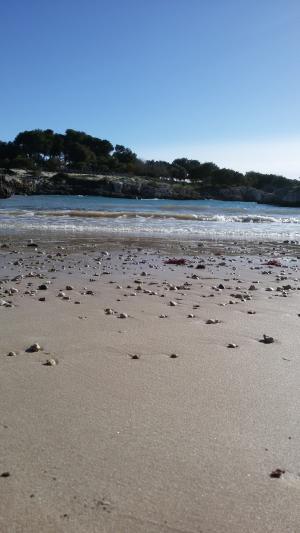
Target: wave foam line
257, 219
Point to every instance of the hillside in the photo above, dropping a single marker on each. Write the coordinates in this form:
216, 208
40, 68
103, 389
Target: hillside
25, 182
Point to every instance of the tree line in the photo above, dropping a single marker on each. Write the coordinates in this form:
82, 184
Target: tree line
76, 151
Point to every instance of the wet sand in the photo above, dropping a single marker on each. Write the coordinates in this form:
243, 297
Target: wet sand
149, 423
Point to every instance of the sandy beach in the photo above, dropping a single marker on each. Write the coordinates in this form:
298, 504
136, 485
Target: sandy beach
150, 404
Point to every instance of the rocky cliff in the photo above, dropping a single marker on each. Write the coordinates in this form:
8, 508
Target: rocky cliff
22, 182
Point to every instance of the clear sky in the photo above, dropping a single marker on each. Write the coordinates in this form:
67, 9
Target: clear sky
209, 79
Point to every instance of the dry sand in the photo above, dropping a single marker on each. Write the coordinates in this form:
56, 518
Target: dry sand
102, 442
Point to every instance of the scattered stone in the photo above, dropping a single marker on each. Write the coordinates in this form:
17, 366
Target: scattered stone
108, 311
5, 474
11, 354
123, 315
273, 262
173, 356
34, 348
232, 345
213, 321
4, 303
69, 288
172, 303
238, 296
277, 473
50, 362
18, 277
135, 356
267, 339
174, 261
43, 287
12, 290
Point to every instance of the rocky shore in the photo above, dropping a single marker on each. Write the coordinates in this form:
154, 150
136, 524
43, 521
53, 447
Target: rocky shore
23, 182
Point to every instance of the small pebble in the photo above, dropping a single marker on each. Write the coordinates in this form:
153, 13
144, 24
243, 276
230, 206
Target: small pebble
267, 339
50, 362
34, 348
277, 473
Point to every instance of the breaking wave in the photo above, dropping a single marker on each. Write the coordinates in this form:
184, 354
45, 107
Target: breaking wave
170, 218
245, 218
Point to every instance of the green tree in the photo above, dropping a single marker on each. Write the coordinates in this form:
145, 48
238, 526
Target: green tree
227, 177
80, 155
191, 167
35, 144
124, 155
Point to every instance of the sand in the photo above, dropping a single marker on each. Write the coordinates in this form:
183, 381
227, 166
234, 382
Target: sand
103, 442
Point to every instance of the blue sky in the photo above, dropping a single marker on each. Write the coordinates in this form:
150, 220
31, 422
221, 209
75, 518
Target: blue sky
211, 79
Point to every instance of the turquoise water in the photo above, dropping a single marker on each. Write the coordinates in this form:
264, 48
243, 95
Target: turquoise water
176, 218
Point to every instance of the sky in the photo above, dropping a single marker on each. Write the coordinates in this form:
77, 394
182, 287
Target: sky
215, 80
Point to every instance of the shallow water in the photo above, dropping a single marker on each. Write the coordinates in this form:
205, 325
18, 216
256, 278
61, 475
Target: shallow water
210, 219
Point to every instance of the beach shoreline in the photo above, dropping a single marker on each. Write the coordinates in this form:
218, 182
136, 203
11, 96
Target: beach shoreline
136, 414
186, 244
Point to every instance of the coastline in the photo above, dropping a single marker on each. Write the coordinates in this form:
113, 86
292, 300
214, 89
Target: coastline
104, 442
186, 245
281, 192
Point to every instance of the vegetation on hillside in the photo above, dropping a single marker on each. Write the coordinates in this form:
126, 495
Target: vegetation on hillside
76, 151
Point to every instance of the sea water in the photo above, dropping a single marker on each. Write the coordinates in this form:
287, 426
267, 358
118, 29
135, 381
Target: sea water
209, 219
